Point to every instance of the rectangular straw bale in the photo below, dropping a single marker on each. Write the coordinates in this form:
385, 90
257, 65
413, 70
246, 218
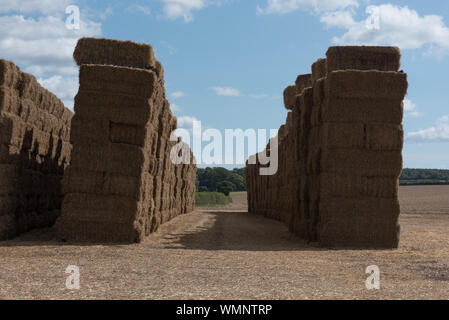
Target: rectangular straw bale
114, 158
9, 100
363, 58
319, 70
356, 186
290, 94
121, 208
127, 134
114, 52
303, 81
28, 87
9, 74
363, 162
118, 80
86, 131
364, 110
359, 233
114, 107
343, 136
366, 84
385, 137
380, 209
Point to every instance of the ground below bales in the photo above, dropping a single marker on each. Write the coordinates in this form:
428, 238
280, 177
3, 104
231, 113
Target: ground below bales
229, 254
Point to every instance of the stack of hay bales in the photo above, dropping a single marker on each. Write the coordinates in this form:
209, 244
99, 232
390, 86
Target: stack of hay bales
361, 100
340, 152
121, 184
34, 152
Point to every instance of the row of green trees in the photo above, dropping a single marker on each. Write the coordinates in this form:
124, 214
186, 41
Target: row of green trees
226, 181
220, 180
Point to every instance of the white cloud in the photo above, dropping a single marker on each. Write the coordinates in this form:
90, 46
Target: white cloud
175, 9
187, 123
437, 133
64, 87
259, 96
227, 91
340, 19
177, 95
42, 45
175, 108
399, 26
33, 6
411, 109
139, 9
286, 6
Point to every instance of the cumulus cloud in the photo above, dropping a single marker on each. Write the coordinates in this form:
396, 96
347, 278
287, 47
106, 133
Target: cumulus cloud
388, 24
64, 87
34, 35
411, 109
437, 133
259, 96
175, 108
187, 123
175, 9
177, 95
135, 8
227, 91
34, 6
286, 6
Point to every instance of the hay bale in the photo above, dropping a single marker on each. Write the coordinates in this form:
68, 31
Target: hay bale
115, 107
118, 80
114, 52
319, 70
366, 110
356, 186
362, 162
9, 74
363, 58
385, 137
290, 94
366, 84
343, 136
303, 81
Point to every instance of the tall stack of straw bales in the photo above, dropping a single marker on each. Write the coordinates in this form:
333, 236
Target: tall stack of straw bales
34, 151
340, 152
121, 184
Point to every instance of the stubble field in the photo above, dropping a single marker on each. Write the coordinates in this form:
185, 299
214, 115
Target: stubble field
227, 253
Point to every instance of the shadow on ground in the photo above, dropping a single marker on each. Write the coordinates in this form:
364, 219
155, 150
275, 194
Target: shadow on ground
236, 231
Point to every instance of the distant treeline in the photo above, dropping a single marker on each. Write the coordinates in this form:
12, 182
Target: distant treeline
424, 177
226, 181
221, 180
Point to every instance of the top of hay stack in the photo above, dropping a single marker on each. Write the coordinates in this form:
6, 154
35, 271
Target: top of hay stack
363, 58
117, 53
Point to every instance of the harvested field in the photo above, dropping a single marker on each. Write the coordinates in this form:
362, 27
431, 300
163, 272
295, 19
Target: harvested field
234, 255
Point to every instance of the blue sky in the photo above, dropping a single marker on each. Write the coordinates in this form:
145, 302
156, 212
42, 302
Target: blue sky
228, 62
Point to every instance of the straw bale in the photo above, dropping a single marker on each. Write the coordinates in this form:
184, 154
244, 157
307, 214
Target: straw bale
385, 137
118, 80
303, 81
366, 84
319, 70
365, 110
363, 162
356, 186
114, 158
344, 135
114, 107
290, 94
127, 134
363, 58
114, 52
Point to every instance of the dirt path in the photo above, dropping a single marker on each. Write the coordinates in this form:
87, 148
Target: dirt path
230, 255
